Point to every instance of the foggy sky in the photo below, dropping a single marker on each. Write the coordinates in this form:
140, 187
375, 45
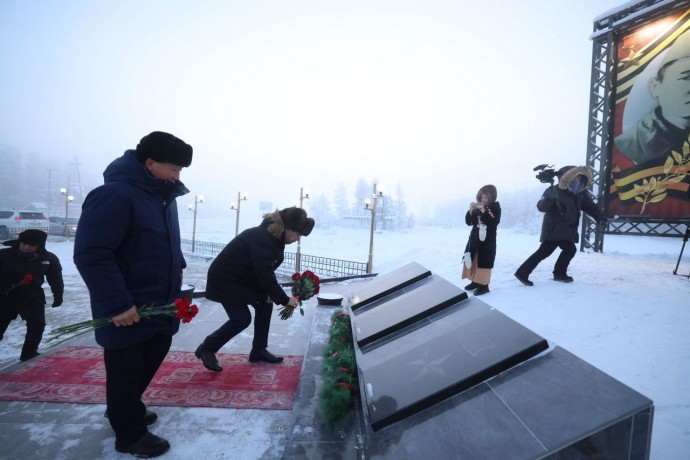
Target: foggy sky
437, 97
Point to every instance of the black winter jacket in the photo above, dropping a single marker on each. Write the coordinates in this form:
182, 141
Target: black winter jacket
41, 265
485, 250
244, 271
562, 208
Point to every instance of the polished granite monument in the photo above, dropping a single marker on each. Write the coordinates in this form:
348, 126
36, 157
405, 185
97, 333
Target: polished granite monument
463, 382
389, 284
404, 308
448, 353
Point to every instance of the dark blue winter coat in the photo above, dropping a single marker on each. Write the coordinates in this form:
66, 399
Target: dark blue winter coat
127, 249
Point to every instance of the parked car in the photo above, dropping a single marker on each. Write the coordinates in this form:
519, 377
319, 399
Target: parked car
58, 227
13, 222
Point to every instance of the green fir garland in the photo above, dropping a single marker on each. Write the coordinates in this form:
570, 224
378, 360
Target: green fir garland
339, 369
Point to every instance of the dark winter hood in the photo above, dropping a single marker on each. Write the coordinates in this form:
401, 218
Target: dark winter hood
128, 169
567, 173
488, 190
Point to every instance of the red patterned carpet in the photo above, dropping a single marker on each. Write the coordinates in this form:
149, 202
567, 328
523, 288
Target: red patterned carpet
77, 375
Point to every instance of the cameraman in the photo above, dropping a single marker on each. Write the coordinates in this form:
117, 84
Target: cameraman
561, 205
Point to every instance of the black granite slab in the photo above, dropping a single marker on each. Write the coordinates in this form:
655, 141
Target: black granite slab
388, 283
481, 423
415, 302
553, 406
446, 356
563, 399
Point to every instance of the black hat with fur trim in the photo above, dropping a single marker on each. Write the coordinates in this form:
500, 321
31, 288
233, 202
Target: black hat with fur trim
296, 219
33, 237
164, 148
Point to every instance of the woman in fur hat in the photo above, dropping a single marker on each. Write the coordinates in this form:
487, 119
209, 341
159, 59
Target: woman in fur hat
562, 205
243, 274
480, 252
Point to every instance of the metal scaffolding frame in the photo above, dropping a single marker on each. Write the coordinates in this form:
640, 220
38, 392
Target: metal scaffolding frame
600, 128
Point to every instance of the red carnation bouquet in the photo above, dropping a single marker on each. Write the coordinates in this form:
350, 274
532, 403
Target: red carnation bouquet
304, 288
181, 308
28, 278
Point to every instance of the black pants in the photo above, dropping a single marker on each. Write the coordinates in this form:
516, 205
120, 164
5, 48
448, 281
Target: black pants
128, 372
35, 317
568, 251
240, 319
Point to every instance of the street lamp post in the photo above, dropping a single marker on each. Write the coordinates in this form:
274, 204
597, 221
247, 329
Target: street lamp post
241, 196
193, 207
303, 195
372, 207
68, 199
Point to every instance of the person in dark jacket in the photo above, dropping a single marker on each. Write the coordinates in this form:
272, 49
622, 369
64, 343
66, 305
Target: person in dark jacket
24, 266
483, 216
244, 274
127, 249
562, 206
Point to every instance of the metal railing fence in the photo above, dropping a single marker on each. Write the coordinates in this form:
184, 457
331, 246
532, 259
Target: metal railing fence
322, 266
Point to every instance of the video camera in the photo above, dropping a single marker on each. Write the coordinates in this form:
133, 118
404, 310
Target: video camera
546, 173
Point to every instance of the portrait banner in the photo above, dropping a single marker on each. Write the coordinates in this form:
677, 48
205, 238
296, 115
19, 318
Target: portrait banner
650, 159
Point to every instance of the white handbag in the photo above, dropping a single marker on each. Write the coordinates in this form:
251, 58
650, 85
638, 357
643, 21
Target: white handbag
482, 232
467, 260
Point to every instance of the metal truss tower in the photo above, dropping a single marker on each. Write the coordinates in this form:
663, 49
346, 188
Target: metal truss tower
600, 127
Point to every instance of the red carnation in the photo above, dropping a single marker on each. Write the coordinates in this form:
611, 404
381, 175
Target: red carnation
180, 308
305, 286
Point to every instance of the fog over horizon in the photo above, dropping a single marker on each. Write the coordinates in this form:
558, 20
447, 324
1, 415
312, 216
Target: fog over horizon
432, 98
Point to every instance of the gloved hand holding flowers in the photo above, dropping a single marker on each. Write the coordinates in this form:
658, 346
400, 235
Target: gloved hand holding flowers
306, 286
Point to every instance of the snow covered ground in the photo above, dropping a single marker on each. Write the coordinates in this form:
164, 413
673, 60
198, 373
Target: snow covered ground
626, 313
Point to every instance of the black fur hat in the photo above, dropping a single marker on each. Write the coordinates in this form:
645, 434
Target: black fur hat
296, 219
164, 148
33, 237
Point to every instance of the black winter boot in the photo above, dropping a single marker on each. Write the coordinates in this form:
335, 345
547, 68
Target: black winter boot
28, 354
524, 279
148, 446
481, 289
208, 358
264, 355
562, 277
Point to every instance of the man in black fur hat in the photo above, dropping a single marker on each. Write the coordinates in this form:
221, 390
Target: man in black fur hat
23, 268
127, 250
243, 274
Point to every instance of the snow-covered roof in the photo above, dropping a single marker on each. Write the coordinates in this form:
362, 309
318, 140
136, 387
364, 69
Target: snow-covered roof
618, 18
